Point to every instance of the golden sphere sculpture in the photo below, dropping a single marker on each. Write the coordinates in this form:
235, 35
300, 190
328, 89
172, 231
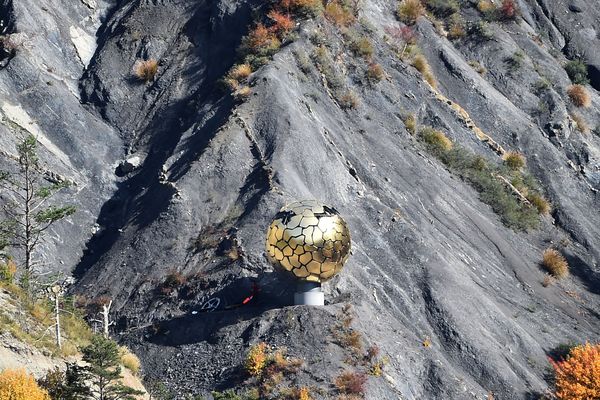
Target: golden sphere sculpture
308, 239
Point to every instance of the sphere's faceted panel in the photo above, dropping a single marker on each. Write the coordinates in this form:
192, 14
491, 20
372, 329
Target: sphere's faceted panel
308, 239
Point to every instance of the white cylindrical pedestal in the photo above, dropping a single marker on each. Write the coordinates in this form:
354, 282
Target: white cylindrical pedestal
309, 294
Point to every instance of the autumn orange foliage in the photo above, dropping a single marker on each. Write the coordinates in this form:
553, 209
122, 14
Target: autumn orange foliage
283, 23
262, 38
16, 384
578, 376
338, 14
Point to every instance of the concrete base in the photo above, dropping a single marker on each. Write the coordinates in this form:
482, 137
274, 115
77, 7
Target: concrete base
309, 294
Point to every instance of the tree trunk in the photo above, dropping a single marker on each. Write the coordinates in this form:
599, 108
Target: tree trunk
105, 319
57, 319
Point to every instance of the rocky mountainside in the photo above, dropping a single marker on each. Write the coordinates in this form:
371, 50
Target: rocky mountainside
176, 181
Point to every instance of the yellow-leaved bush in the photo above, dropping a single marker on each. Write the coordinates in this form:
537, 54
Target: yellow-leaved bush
16, 384
578, 376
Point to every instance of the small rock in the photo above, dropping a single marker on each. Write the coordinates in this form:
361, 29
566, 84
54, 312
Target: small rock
130, 164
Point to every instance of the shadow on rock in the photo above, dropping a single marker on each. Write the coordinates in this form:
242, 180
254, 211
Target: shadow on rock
241, 300
580, 269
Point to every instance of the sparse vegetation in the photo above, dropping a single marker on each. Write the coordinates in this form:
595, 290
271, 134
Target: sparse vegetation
16, 384
508, 10
555, 263
435, 139
442, 8
410, 123
456, 27
577, 71
240, 72
129, 360
514, 160
348, 100
307, 8
173, 281
339, 13
579, 95
481, 70
362, 47
256, 359
577, 377
145, 70
580, 123
515, 61
480, 29
351, 382
410, 10
540, 203
421, 64
490, 181
375, 73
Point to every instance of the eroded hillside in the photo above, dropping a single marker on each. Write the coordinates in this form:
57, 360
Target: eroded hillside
445, 276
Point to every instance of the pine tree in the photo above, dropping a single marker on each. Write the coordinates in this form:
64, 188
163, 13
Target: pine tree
67, 385
104, 371
29, 215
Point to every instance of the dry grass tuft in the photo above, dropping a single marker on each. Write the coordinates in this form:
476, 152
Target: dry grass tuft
348, 100
421, 64
555, 263
242, 93
438, 141
338, 14
540, 203
129, 360
240, 72
580, 123
145, 70
410, 123
375, 72
514, 160
351, 382
579, 95
410, 10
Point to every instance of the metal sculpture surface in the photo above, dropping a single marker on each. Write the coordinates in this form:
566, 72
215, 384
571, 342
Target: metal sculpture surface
308, 239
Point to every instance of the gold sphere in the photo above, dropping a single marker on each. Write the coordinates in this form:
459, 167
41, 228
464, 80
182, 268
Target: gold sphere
308, 239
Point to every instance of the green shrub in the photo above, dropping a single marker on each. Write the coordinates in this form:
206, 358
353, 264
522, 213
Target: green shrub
514, 160
436, 140
482, 176
481, 29
410, 123
515, 61
339, 13
540, 203
306, 8
577, 71
456, 27
362, 47
442, 8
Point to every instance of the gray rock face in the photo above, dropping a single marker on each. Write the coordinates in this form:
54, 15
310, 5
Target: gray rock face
430, 260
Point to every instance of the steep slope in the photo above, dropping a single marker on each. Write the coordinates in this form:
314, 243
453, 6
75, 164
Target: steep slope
431, 262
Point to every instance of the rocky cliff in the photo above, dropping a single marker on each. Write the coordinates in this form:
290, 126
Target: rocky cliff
454, 297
